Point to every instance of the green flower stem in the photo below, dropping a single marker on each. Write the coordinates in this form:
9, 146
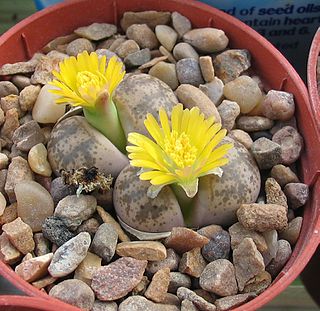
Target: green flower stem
185, 203
104, 117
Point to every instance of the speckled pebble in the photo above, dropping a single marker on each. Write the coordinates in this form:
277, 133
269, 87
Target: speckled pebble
229, 111
158, 287
189, 72
274, 194
184, 50
218, 247
178, 279
227, 303
297, 194
143, 35
283, 175
11, 123
79, 45
104, 306
96, 31
8, 102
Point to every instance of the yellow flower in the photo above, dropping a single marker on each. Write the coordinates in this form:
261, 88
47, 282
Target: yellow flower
81, 80
182, 150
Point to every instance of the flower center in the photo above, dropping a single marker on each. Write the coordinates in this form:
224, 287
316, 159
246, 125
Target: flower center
89, 85
180, 150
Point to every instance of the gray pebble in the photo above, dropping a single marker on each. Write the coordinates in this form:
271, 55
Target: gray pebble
199, 302
143, 35
184, 50
180, 23
229, 111
79, 45
230, 302
291, 234
7, 88
178, 279
171, 262
214, 90
254, 123
218, 247
189, 72
60, 190
138, 58
96, 31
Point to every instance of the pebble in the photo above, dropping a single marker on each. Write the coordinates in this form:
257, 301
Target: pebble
280, 124
57, 42
44, 282
20, 67
189, 72
117, 279
143, 35
151, 18
179, 235
163, 51
74, 292
230, 64
9, 214
207, 69
190, 96
153, 61
254, 123
79, 45
137, 58
291, 234
242, 137
37, 159
187, 305
283, 254
45, 110
266, 152
283, 175
209, 231
104, 242
278, 105
259, 283
87, 267
271, 238
2, 116
178, 279
180, 23
11, 123
107, 218
3, 178
166, 72
34, 204
114, 45
238, 232
69, 255
126, 48
192, 263
3, 203
274, 194
20, 235
248, 262
245, 91
214, 90
76, 209
199, 302
104, 306
219, 278
218, 247
229, 111
291, 144
263, 217
7, 88
55, 229
167, 36
8, 253
7, 103
207, 40
42, 245
260, 134
96, 31
141, 287
35, 268
158, 287
210, 297
171, 261
90, 225
184, 50
142, 303
297, 194
60, 190
227, 303
28, 97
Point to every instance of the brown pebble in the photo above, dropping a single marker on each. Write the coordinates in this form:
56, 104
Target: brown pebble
192, 263
159, 285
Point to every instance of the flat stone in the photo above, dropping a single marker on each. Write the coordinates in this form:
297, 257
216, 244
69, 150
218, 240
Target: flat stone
291, 143
117, 279
79, 45
254, 123
87, 267
165, 72
207, 40
219, 278
263, 217
104, 242
142, 303
180, 23
266, 152
192, 263
10, 125
227, 303
248, 262
178, 279
44, 282
274, 193
228, 111
199, 302
96, 31
74, 292
35, 268
283, 175
20, 235
34, 204
278, 105
152, 62
242, 137
137, 58
143, 35
76, 209
189, 72
190, 96
7, 88
68, 256
59, 41
179, 236
297, 194
207, 69
245, 91
37, 159
283, 254
291, 234
184, 50
151, 18
259, 283
42, 244
231, 63
238, 232
10, 213
171, 262
159, 285
126, 48
218, 248
8, 253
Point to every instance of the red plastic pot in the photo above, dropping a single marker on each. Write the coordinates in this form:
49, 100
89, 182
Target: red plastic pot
30, 35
